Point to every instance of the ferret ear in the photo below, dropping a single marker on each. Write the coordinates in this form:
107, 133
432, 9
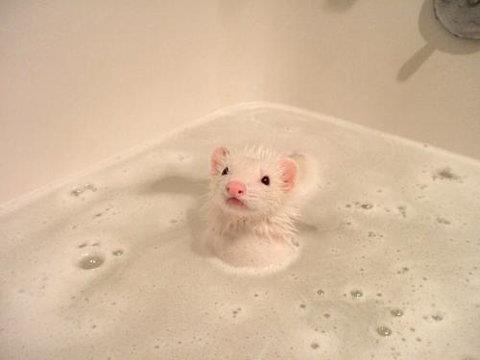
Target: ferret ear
217, 157
289, 172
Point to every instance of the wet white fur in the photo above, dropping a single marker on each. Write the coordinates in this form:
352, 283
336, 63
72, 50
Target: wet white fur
272, 210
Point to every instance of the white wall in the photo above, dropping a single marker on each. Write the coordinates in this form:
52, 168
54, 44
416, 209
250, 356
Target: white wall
83, 80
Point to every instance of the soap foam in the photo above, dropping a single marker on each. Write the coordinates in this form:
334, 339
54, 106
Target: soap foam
393, 229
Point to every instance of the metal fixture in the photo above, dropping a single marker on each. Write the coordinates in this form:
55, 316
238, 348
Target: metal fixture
460, 17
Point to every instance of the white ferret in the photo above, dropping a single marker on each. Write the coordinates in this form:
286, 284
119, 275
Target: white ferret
254, 203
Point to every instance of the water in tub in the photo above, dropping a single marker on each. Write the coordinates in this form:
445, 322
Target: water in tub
104, 267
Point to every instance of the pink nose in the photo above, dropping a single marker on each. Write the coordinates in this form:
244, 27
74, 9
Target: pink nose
235, 188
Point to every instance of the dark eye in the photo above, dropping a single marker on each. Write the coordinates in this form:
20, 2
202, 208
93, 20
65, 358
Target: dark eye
266, 180
225, 171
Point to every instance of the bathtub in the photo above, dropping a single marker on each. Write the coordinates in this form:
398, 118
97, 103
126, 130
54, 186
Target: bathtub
109, 113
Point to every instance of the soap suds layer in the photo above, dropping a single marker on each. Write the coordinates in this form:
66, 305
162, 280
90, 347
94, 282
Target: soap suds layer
104, 267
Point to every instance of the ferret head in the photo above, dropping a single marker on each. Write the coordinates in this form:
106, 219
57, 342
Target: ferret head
251, 182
